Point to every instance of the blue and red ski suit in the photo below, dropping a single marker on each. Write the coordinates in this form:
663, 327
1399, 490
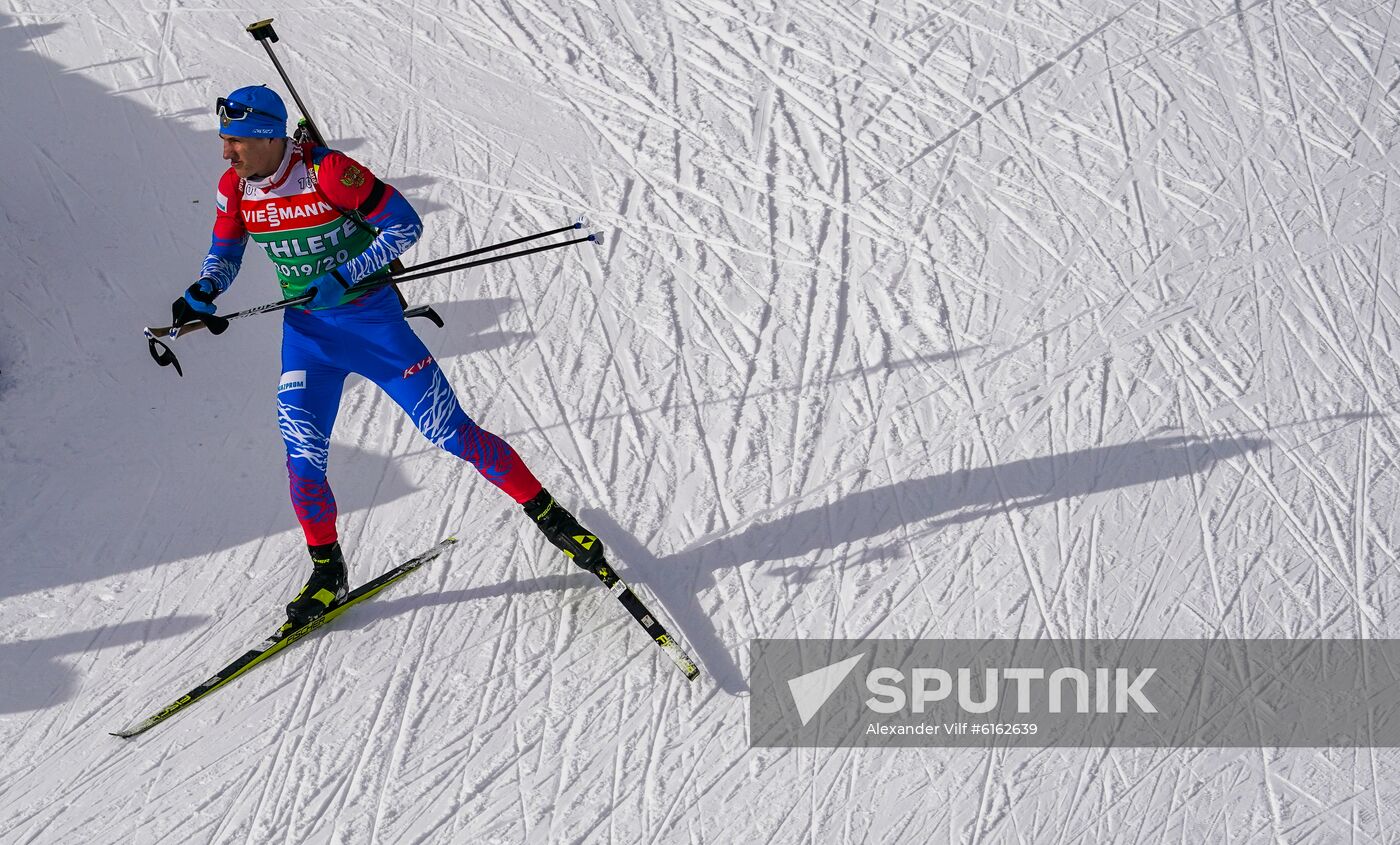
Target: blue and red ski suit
304, 216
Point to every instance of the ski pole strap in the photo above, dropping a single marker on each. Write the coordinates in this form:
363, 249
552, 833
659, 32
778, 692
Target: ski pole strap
163, 356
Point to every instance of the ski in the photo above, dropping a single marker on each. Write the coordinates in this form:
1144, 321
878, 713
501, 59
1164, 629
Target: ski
647, 620
283, 638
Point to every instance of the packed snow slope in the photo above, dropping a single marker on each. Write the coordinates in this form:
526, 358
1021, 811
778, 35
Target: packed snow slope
973, 319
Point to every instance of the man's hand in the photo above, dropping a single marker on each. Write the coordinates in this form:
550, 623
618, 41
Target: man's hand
197, 303
327, 290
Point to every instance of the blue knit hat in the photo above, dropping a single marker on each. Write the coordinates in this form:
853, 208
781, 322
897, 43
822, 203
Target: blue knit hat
252, 112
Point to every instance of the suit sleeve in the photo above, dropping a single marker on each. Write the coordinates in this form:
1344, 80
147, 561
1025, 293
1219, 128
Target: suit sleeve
349, 185
229, 238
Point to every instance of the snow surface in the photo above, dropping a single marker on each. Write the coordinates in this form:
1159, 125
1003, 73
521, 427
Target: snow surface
993, 319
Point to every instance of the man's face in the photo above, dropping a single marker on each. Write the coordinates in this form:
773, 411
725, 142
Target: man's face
253, 158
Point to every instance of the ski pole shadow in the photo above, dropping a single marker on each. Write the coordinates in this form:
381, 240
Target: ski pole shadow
37, 677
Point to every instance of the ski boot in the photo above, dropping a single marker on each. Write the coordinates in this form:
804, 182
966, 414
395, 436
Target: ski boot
561, 529
326, 586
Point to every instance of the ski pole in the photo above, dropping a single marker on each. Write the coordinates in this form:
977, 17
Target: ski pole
265, 35
596, 237
220, 323
162, 355
577, 224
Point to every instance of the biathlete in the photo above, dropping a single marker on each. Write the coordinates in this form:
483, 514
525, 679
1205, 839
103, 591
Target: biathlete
327, 223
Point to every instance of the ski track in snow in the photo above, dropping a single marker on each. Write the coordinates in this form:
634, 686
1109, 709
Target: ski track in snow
952, 320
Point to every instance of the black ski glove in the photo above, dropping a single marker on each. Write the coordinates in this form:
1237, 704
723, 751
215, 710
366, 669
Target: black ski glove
198, 305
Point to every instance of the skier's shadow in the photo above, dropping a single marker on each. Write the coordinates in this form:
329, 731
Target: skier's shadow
679, 581
36, 676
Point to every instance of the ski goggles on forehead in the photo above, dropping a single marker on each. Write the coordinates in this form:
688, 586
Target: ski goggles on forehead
229, 110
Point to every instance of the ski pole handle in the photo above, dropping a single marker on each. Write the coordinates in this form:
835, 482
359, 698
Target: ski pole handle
263, 31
